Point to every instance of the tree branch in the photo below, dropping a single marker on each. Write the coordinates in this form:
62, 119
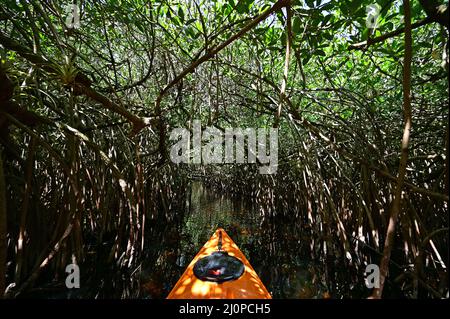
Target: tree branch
79, 84
438, 13
365, 44
213, 51
396, 205
286, 66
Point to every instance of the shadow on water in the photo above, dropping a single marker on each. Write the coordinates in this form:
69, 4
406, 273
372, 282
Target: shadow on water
275, 250
279, 251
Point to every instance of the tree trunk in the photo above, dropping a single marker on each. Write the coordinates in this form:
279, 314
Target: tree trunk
3, 229
286, 66
396, 205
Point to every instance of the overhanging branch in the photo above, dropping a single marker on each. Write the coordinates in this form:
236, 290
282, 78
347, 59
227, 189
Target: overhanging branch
78, 84
365, 44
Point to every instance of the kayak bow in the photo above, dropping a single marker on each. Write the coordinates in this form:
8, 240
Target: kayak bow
219, 271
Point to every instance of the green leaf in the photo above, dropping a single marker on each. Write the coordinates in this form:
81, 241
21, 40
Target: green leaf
190, 21
227, 9
328, 36
190, 32
326, 19
426, 44
139, 26
296, 25
313, 41
306, 59
244, 6
320, 52
283, 39
197, 34
310, 3
199, 26
181, 14
365, 34
176, 20
389, 26
264, 8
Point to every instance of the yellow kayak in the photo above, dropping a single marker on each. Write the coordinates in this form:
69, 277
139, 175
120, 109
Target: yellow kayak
219, 271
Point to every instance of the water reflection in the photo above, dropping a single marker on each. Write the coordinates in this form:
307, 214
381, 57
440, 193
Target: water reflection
287, 256
275, 250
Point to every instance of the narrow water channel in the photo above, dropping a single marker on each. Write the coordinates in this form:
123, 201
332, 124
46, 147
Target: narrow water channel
275, 253
279, 250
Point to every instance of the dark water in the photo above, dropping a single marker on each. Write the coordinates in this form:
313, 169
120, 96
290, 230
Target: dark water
282, 252
274, 252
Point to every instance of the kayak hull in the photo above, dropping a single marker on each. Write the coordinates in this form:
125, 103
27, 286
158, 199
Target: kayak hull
247, 286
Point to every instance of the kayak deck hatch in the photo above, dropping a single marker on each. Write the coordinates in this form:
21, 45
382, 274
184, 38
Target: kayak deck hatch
219, 271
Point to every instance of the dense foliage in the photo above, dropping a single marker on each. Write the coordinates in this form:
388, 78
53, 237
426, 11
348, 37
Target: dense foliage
86, 112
